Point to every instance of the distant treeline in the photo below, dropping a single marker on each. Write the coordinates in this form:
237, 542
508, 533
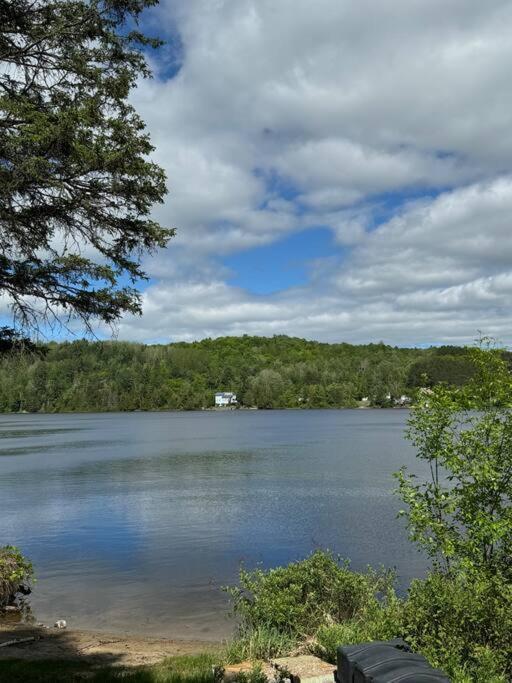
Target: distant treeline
277, 372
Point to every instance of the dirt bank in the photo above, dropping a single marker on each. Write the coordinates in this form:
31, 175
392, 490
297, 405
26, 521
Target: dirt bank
102, 649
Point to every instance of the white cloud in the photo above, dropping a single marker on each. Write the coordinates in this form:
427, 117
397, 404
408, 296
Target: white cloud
343, 101
428, 275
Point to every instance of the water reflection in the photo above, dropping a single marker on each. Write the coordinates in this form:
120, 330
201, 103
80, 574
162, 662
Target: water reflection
135, 521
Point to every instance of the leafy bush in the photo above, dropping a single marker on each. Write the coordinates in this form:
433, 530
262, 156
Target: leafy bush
378, 620
460, 617
461, 514
300, 597
460, 625
463, 624
14, 570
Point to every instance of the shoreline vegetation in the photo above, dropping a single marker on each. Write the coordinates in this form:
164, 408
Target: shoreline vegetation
265, 373
307, 607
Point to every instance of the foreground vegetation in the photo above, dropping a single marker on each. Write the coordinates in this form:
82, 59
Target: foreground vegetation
277, 372
461, 624
460, 615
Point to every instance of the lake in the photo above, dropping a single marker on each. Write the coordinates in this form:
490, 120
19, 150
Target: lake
135, 521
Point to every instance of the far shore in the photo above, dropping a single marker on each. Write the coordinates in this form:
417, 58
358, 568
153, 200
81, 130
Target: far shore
211, 409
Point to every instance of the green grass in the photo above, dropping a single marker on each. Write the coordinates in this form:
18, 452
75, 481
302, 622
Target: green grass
19, 671
184, 669
260, 643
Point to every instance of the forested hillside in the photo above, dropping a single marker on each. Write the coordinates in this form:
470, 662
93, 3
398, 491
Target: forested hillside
264, 372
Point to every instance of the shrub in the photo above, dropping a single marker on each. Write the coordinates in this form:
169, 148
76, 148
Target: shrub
14, 570
460, 617
378, 620
300, 597
462, 623
461, 514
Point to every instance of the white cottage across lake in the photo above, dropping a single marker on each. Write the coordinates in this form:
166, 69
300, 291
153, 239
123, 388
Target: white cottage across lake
225, 398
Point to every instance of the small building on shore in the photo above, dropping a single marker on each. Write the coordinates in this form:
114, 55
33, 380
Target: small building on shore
225, 398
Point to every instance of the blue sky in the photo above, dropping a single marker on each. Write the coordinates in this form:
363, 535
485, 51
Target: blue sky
337, 170
283, 264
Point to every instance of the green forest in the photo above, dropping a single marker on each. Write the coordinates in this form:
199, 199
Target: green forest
277, 372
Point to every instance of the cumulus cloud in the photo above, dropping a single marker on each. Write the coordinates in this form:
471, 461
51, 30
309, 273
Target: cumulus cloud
285, 116
427, 275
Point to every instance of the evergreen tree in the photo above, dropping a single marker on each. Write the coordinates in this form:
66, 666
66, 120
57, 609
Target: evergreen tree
76, 184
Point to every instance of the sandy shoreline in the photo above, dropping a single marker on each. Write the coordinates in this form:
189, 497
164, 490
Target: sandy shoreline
98, 648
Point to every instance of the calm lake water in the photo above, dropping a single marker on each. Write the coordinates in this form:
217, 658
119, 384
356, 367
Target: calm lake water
135, 521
